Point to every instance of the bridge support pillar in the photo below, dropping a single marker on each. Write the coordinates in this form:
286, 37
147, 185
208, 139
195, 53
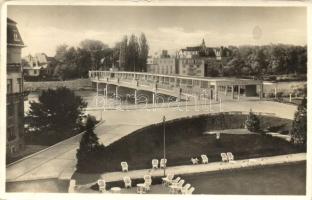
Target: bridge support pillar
238, 92
232, 87
260, 91
106, 90
116, 95
135, 97
226, 89
216, 92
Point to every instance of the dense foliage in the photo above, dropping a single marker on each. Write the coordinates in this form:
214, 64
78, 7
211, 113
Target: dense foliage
71, 62
56, 115
266, 60
299, 126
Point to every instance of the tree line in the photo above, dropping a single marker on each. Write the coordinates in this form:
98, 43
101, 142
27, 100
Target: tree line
75, 62
266, 60
131, 53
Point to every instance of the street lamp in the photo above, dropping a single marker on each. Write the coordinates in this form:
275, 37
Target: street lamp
164, 134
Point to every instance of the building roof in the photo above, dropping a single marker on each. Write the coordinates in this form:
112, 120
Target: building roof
13, 36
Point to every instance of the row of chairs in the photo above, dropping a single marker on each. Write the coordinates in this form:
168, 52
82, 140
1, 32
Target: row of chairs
163, 162
227, 157
128, 183
204, 159
155, 164
176, 185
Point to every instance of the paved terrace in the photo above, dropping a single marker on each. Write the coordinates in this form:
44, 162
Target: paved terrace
199, 168
59, 160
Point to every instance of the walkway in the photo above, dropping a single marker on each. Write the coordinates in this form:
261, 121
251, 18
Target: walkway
59, 160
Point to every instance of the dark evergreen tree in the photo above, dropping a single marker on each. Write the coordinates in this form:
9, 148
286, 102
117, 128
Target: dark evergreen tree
89, 146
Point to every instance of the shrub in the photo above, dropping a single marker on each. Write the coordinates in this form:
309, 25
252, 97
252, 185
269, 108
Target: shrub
299, 126
252, 123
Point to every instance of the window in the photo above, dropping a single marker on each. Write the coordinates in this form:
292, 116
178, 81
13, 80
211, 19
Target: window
10, 110
15, 36
10, 133
35, 71
20, 84
9, 86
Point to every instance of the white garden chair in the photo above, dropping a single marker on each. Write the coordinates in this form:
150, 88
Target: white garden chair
163, 163
190, 191
180, 184
155, 163
168, 179
124, 166
194, 161
176, 180
127, 181
204, 159
102, 185
224, 157
230, 156
147, 182
185, 188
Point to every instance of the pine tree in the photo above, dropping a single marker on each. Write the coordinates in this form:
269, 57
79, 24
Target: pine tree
252, 123
299, 126
89, 145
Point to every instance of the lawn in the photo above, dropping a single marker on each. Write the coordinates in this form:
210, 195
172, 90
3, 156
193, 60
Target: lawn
289, 179
185, 139
271, 180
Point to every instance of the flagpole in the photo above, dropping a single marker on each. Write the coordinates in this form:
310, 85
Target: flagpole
164, 134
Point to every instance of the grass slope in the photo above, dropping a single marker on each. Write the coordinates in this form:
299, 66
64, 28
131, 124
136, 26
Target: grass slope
184, 139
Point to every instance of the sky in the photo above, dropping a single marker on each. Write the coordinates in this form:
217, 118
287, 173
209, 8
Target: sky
45, 27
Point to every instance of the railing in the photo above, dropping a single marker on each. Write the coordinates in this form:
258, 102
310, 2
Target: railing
194, 86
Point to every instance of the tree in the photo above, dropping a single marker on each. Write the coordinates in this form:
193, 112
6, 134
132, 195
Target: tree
95, 48
123, 53
299, 126
252, 123
143, 54
133, 54
60, 52
57, 110
88, 147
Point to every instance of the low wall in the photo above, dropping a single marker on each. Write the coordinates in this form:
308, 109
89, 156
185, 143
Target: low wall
77, 84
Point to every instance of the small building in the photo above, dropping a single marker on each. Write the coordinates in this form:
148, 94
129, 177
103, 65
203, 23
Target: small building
15, 93
34, 66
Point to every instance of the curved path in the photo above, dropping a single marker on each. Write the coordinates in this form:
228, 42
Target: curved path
59, 160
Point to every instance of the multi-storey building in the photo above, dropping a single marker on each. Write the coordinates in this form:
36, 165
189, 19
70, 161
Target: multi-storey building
15, 95
166, 66
191, 67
